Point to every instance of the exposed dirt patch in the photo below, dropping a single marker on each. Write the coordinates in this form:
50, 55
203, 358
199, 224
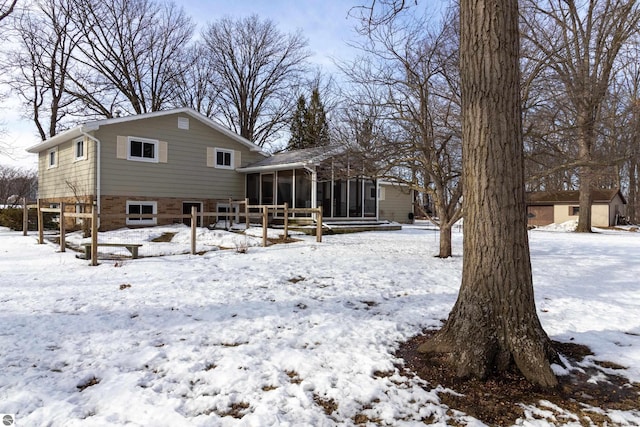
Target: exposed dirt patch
281, 239
90, 382
328, 405
164, 238
499, 401
236, 410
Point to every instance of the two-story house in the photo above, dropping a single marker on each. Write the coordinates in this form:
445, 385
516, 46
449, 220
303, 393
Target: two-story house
166, 162
161, 162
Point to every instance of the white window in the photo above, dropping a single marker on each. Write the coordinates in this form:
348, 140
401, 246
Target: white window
142, 149
224, 158
52, 158
142, 208
79, 149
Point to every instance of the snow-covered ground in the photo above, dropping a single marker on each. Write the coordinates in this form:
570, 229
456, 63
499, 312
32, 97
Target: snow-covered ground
299, 334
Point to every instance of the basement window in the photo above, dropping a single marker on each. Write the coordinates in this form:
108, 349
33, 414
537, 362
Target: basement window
142, 208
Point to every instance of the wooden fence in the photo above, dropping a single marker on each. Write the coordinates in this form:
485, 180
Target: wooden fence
259, 212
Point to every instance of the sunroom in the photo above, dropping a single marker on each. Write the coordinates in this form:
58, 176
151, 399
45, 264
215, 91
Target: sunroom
312, 178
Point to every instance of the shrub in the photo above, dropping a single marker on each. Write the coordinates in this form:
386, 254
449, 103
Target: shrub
12, 218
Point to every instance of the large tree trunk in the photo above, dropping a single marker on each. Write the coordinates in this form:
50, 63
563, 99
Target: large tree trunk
445, 240
584, 214
585, 142
494, 323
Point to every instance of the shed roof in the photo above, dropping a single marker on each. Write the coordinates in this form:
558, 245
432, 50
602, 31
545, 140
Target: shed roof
572, 196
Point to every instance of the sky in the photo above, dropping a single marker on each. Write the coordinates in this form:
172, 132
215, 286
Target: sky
325, 23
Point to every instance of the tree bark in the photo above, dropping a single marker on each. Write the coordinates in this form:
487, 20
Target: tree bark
494, 323
445, 241
586, 136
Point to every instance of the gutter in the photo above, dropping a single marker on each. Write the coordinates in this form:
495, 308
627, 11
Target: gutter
98, 168
270, 168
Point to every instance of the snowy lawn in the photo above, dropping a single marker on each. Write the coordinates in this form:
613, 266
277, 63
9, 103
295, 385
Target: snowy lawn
288, 335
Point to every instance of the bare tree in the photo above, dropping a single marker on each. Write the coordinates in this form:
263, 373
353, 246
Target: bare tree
131, 54
16, 184
197, 86
409, 75
6, 8
42, 62
579, 42
626, 106
258, 68
493, 324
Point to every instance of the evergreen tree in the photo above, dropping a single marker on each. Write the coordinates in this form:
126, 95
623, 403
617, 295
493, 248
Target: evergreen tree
309, 126
317, 126
298, 120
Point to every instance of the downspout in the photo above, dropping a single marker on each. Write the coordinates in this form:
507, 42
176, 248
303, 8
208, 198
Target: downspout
97, 141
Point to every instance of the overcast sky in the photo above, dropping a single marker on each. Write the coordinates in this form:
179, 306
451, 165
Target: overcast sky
325, 23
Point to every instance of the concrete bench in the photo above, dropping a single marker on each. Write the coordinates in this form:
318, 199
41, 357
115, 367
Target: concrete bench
131, 247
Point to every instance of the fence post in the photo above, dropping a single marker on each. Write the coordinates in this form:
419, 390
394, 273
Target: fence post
94, 236
230, 213
194, 223
246, 213
286, 221
40, 224
319, 226
265, 220
63, 232
25, 216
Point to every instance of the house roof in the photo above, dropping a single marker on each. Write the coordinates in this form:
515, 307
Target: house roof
96, 124
566, 197
293, 159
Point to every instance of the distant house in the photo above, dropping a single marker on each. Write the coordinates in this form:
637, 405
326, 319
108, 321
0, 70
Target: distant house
547, 207
166, 162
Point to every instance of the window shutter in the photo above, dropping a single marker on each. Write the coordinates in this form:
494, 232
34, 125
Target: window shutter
238, 159
211, 157
121, 148
163, 148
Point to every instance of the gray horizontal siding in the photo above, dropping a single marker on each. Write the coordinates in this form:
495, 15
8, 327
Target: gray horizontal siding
71, 177
184, 175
